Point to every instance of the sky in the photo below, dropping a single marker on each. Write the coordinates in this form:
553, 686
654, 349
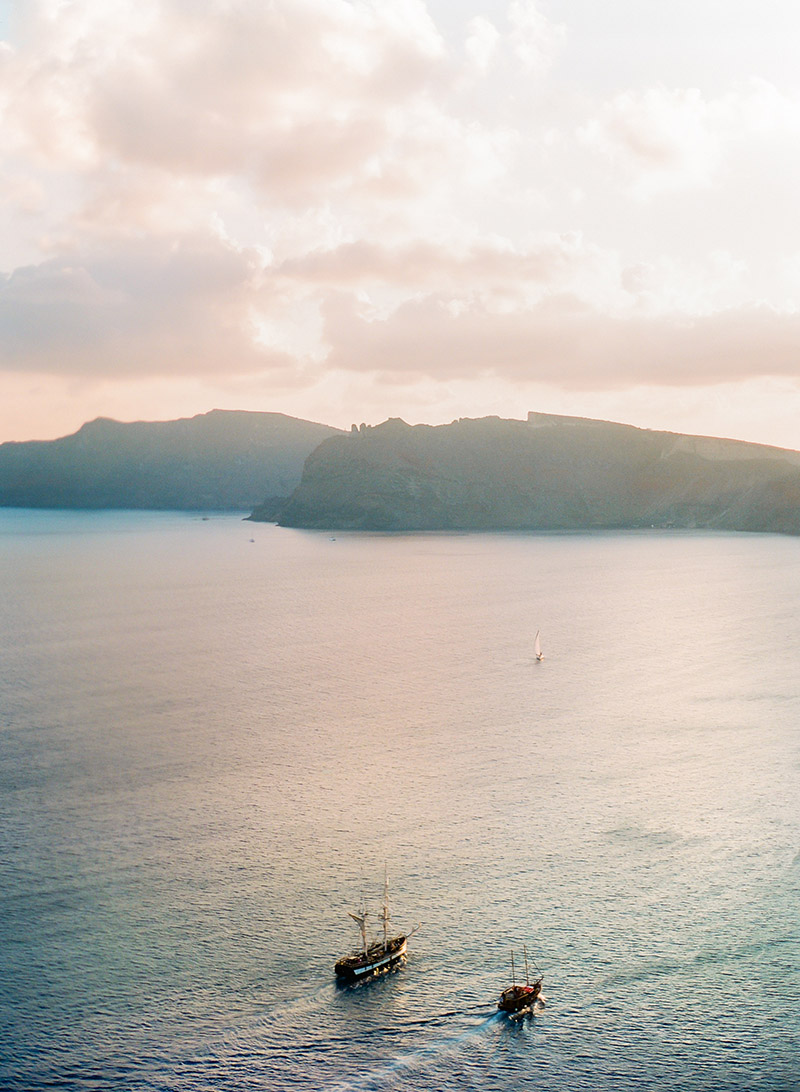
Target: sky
346, 211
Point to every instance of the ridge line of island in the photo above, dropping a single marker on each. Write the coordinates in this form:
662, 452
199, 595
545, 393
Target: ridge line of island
545, 473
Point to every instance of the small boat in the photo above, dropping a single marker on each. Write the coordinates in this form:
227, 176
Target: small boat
517, 1000
373, 956
537, 647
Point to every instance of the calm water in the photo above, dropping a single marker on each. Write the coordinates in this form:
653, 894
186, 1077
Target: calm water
209, 746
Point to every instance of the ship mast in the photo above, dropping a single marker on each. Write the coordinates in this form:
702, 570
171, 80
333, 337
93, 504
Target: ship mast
513, 975
527, 976
385, 908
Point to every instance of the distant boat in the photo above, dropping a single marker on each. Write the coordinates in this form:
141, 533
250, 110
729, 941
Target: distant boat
374, 956
537, 646
517, 1000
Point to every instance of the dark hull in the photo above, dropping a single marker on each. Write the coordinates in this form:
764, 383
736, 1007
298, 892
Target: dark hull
377, 959
518, 999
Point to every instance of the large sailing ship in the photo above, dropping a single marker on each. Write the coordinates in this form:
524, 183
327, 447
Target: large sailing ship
374, 956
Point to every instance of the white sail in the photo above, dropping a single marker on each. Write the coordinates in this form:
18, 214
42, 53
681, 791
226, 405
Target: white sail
537, 646
361, 922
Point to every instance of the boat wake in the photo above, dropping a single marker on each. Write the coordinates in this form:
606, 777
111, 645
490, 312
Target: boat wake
298, 1009
298, 1035
387, 1074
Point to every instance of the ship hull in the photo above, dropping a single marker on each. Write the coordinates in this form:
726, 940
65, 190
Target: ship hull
378, 959
519, 999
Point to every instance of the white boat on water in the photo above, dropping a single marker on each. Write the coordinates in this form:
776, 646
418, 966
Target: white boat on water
537, 647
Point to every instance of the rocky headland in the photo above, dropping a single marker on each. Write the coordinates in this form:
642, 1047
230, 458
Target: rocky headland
545, 473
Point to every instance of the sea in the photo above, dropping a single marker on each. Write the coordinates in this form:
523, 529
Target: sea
215, 736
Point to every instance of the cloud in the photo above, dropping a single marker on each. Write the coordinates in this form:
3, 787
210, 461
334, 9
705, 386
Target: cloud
481, 42
482, 266
267, 193
150, 307
534, 38
666, 139
563, 341
424, 311
660, 138
298, 96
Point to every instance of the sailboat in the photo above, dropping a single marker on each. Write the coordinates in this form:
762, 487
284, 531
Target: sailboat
517, 1000
537, 646
373, 956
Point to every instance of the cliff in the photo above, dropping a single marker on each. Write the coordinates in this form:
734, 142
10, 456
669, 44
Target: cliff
217, 460
546, 473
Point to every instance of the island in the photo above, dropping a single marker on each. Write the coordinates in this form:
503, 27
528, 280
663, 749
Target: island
224, 459
545, 473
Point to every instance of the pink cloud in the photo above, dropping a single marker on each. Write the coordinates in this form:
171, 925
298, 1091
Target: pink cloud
564, 341
296, 95
420, 263
149, 307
